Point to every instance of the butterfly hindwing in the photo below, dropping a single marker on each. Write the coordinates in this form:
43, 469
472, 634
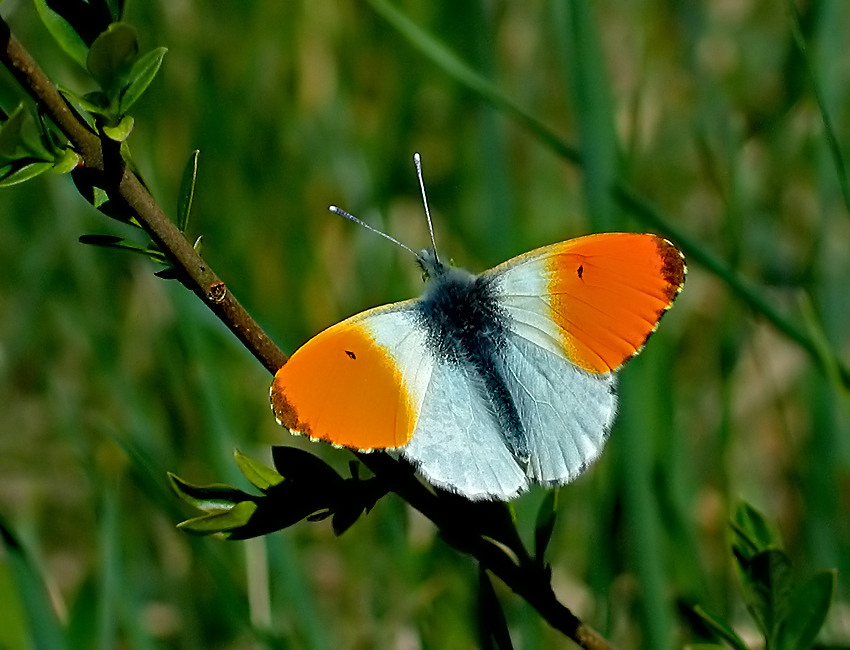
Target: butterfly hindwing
566, 411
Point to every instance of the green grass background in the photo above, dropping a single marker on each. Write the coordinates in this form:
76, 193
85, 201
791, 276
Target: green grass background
109, 377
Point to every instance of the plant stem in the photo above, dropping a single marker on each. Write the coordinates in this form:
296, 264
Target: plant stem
195, 274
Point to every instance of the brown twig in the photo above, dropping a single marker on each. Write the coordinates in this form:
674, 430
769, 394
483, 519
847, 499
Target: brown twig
122, 185
195, 272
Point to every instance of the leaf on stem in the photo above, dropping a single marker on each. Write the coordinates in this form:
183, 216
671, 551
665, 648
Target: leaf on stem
121, 131
809, 606
721, 628
140, 77
111, 241
303, 488
63, 33
492, 624
226, 521
187, 192
22, 170
260, 476
112, 55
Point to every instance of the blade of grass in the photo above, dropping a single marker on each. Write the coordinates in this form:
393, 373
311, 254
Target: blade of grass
639, 425
828, 128
452, 65
583, 60
44, 627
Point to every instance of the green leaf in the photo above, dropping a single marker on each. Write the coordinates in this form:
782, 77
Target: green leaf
22, 136
100, 197
209, 498
63, 33
545, 525
22, 170
67, 162
766, 584
302, 466
752, 531
187, 192
11, 133
111, 241
236, 516
721, 628
809, 606
121, 131
261, 476
140, 77
95, 102
112, 55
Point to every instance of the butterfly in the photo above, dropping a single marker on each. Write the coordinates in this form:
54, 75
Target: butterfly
488, 383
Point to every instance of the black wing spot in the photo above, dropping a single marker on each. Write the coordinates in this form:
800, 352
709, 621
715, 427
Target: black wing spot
580, 271
351, 355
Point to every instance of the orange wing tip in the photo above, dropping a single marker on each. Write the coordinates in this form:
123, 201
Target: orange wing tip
598, 346
303, 431
674, 270
345, 388
673, 267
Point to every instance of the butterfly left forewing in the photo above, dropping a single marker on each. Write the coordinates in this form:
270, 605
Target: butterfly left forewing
357, 384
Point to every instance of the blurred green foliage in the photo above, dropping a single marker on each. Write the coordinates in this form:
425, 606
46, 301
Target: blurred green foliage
110, 377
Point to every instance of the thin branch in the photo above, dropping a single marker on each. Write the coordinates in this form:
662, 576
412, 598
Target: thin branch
121, 184
196, 274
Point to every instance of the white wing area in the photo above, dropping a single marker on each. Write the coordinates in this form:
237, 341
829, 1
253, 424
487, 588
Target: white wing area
565, 410
395, 329
458, 444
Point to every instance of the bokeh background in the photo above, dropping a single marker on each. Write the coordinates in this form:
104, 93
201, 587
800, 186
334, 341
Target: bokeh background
110, 377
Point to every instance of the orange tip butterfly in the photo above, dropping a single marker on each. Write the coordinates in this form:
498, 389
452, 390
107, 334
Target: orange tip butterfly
488, 383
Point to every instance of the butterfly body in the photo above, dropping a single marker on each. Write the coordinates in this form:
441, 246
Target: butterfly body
488, 382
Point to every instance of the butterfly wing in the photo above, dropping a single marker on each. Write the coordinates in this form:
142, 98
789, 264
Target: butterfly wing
359, 383
575, 312
594, 299
458, 443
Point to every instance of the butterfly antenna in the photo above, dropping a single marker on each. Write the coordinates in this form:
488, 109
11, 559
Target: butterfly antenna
351, 217
417, 161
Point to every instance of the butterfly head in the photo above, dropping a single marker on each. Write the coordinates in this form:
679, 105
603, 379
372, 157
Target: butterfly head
432, 267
